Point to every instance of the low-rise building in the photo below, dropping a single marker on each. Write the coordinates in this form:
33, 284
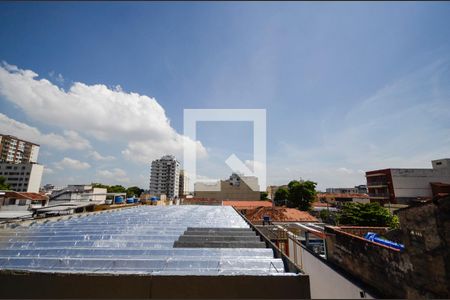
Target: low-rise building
359, 189
272, 189
237, 187
339, 199
405, 185
22, 177
79, 192
21, 201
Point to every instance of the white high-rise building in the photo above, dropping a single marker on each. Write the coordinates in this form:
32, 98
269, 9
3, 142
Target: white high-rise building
165, 176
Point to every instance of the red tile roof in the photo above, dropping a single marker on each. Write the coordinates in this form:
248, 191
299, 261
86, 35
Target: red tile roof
321, 204
247, 204
333, 196
28, 196
279, 214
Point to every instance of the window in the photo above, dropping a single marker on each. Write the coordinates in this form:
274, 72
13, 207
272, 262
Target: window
439, 163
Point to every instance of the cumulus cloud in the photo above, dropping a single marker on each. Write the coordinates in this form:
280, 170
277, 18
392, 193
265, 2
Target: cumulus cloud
100, 112
69, 140
141, 151
48, 171
115, 175
97, 156
345, 170
70, 163
58, 77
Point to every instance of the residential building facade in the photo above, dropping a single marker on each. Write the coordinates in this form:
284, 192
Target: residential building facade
16, 201
15, 150
400, 186
79, 192
237, 187
22, 177
272, 189
165, 177
359, 189
183, 183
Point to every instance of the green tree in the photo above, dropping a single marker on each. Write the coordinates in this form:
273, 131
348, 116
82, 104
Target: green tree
280, 196
116, 189
328, 217
263, 196
301, 194
3, 184
99, 185
366, 214
134, 191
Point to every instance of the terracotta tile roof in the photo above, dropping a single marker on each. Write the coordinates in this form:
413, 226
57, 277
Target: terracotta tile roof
280, 214
333, 196
28, 196
247, 204
321, 204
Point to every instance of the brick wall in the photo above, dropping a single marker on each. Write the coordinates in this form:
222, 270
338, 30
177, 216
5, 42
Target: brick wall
421, 271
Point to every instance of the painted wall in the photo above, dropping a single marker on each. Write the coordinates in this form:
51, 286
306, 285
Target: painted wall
325, 282
35, 178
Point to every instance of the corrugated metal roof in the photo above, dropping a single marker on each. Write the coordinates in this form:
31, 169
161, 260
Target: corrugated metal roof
136, 240
240, 204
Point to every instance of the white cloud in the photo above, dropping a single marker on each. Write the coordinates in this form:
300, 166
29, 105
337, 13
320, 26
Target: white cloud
69, 140
114, 175
101, 112
70, 163
97, 156
48, 170
58, 77
147, 150
345, 170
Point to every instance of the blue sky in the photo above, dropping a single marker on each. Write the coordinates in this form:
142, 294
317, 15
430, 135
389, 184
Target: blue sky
348, 87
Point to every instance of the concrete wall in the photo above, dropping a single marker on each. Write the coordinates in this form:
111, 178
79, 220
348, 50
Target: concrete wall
44, 285
421, 271
35, 178
412, 183
327, 283
98, 198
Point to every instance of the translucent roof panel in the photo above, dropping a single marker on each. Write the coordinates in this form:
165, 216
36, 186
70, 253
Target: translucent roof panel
137, 240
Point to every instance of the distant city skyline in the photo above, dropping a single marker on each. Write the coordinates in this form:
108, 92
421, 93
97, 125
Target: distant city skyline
348, 87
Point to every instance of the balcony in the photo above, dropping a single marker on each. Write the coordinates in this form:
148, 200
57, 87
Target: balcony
379, 195
374, 184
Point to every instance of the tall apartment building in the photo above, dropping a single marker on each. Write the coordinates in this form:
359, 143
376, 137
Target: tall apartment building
23, 177
15, 150
404, 185
165, 177
183, 184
